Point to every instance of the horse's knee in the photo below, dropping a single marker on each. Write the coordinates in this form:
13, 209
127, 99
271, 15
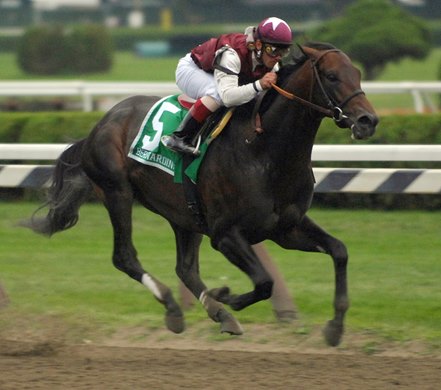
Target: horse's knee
183, 272
179, 271
264, 290
339, 253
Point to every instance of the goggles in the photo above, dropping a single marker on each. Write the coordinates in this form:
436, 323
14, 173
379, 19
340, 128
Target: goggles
275, 51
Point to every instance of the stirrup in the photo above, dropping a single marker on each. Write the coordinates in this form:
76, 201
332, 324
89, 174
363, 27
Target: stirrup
178, 144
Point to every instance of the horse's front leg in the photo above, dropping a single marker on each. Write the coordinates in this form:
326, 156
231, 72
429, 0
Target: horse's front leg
239, 252
187, 268
309, 237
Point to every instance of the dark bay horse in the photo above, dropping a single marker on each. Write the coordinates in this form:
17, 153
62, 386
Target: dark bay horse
253, 186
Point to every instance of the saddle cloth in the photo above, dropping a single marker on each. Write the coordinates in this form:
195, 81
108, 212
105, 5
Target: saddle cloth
162, 119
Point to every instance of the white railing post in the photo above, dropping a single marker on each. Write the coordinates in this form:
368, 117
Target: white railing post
417, 101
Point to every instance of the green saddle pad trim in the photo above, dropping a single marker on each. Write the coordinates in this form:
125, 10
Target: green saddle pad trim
163, 119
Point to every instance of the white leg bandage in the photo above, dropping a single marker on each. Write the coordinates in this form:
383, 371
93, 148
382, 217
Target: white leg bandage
148, 281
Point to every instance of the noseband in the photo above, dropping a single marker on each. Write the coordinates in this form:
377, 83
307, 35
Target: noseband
333, 110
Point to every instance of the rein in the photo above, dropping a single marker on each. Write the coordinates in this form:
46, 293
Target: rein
328, 112
335, 110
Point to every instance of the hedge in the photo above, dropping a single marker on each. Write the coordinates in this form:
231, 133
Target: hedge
126, 38
66, 127
46, 127
50, 50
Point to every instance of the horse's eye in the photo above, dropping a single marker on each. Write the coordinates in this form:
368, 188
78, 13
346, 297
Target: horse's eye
332, 77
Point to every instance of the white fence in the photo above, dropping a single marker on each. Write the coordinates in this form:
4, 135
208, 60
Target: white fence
88, 91
378, 180
319, 152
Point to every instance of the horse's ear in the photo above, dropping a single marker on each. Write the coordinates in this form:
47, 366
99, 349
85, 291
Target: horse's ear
299, 55
301, 48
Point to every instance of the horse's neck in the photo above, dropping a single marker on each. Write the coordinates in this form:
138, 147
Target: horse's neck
292, 127
290, 131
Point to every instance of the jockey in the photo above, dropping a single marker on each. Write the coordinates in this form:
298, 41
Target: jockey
229, 70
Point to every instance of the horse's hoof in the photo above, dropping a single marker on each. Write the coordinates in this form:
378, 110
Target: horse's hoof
333, 333
229, 324
286, 316
176, 324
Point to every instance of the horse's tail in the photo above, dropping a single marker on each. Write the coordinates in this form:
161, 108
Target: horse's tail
70, 188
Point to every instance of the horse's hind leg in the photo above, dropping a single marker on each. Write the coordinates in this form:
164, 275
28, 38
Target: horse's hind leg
187, 268
310, 237
239, 252
119, 205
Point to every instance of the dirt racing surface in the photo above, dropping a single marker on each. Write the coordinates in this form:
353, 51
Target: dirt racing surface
173, 362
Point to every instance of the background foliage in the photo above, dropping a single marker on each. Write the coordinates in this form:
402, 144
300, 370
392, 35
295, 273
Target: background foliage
48, 50
375, 32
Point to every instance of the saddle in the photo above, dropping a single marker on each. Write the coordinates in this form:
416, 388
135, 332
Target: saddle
213, 126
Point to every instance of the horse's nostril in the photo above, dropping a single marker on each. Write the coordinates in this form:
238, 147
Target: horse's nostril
368, 120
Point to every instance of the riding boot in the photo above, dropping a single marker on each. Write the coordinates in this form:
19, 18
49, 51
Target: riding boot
180, 140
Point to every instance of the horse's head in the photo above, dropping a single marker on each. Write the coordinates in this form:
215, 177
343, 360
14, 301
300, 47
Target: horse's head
336, 86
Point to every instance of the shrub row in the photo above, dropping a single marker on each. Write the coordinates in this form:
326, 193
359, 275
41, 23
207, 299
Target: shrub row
46, 127
68, 126
51, 50
126, 38
65, 127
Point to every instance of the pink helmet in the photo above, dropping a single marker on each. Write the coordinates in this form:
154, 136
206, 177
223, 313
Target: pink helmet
275, 31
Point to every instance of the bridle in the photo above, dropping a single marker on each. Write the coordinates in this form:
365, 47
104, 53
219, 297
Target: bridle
333, 110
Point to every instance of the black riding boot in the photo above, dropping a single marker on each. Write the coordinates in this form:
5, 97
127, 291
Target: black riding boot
180, 140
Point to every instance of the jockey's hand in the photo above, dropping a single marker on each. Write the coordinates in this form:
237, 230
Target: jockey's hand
268, 79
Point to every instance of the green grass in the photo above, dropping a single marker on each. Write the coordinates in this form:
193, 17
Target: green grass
394, 274
127, 67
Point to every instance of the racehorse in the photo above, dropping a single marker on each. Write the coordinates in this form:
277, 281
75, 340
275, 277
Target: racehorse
255, 183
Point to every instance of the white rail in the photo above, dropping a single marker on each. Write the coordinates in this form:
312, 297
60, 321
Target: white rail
85, 90
319, 152
88, 90
364, 180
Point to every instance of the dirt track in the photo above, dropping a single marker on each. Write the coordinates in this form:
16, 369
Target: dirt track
45, 353
45, 366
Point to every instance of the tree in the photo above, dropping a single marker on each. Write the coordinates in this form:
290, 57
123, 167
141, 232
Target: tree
336, 7
375, 32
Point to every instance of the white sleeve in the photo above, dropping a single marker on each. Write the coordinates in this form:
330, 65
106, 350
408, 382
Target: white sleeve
228, 84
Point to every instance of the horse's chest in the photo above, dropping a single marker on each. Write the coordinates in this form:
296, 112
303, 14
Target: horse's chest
292, 202
291, 215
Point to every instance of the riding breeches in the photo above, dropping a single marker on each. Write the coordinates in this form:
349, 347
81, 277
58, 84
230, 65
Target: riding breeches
194, 81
